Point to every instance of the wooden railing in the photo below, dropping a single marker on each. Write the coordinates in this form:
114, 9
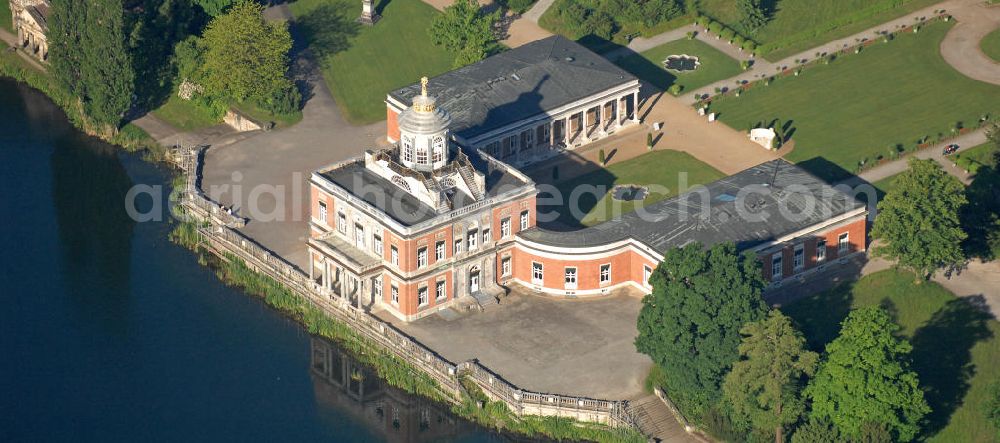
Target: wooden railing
223, 238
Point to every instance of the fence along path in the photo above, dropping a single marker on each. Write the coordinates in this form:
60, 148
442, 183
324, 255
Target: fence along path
219, 230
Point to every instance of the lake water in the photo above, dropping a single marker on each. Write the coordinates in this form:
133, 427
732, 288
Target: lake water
109, 332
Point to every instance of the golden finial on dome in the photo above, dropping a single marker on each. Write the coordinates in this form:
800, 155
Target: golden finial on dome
423, 86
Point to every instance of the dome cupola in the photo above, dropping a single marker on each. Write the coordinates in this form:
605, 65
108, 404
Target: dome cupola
423, 129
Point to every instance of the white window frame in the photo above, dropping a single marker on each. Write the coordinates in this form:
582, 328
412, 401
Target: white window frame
422, 158
505, 266
394, 255
422, 296
647, 273
570, 277
322, 211
821, 250
359, 236
777, 265
473, 237
438, 149
342, 223
486, 235
799, 257
439, 253
525, 219
605, 273
505, 227
422, 257
458, 246
844, 242
377, 287
394, 294
537, 272
377, 244
440, 290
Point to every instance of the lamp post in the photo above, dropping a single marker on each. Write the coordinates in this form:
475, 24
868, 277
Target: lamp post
368, 14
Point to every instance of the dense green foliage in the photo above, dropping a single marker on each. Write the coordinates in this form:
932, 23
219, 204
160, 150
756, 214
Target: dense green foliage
798, 25
715, 65
918, 220
517, 6
690, 323
362, 63
752, 15
214, 7
865, 378
246, 59
89, 57
467, 30
608, 20
889, 96
981, 216
763, 389
666, 173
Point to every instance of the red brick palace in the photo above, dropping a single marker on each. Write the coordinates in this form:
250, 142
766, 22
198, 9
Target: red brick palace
443, 215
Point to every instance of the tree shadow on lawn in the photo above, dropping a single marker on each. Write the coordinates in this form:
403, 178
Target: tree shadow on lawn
942, 357
325, 31
819, 316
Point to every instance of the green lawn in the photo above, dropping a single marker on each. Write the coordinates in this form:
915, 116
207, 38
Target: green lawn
861, 106
991, 45
6, 19
972, 159
661, 168
362, 64
186, 115
798, 25
956, 351
648, 65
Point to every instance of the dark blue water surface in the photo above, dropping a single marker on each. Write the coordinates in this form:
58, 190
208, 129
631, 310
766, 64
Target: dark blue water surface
109, 332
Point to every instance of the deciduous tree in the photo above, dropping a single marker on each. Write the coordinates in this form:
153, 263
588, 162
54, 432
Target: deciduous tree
865, 381
918, 220
763, 388
465, 29
690, 323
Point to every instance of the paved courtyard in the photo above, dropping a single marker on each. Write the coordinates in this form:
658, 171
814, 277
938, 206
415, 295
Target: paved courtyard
572, 347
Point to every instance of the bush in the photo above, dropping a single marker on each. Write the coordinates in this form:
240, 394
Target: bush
727, 34
675, 89
690, 35
703, 21
714, 27
738, 41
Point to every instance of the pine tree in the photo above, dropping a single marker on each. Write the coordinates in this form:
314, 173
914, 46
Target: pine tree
763, 388
752, 15
690, 323
865, 381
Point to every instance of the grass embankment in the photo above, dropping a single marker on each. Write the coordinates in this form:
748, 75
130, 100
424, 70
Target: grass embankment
495, 414
187, 115
799, 25
361, 64
714, 65
130, 137
956, 348
991, 45
390, 368
866, 105
660, 168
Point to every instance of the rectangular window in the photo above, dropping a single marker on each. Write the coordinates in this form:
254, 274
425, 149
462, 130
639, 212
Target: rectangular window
543, 134
377, 287
342, 223
394, 255
527, 140
439, 290
606, 273
359, 237
821, 249
647, 272
473, 237
421, 156
458, 246
537, 275
422, 296
505, 266
524, 220
508, 150
377, 244
494, 149
439, 251
799, 257
505, 228
843, 243
570, 278
776, 267
421, 257
322, 212
394, 295
486, 235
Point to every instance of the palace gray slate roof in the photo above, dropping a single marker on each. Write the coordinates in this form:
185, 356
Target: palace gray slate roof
777, 185
517, 84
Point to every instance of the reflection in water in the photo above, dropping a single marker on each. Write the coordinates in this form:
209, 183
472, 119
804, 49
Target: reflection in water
345, 387
89, 184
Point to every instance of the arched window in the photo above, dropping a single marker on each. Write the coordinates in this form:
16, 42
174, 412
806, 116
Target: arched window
439, 149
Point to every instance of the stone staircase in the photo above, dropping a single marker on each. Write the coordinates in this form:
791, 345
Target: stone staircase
487, 299
467, 174
656, 421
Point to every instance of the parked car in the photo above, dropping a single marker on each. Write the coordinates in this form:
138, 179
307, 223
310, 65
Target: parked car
950, 149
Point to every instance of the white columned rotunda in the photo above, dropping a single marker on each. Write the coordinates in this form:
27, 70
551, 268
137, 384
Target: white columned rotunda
423, 128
